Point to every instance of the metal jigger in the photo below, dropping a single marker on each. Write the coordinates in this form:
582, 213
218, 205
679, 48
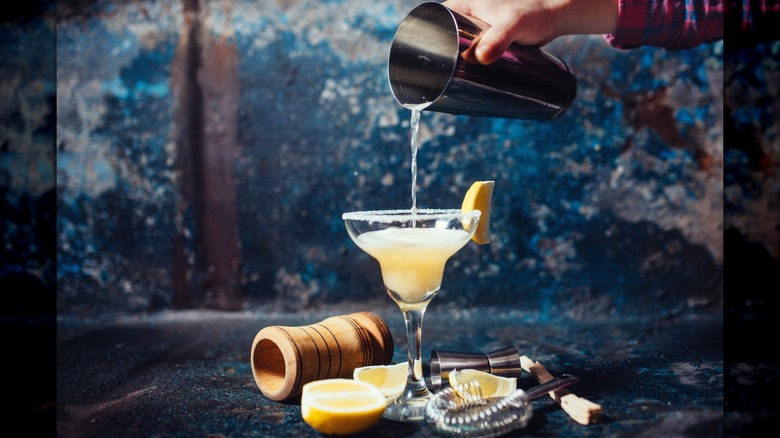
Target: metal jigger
504, 362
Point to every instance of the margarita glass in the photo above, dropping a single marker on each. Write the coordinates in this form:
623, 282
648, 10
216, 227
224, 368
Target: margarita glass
412, 248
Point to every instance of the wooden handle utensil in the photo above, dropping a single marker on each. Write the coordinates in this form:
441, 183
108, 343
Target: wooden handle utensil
583, 411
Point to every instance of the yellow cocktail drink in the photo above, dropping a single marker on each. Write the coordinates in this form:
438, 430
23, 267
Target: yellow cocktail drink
412, 259
412, 248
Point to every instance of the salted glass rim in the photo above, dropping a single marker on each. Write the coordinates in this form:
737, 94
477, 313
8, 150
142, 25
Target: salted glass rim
407, 215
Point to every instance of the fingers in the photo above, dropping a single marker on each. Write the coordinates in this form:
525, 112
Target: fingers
529, 23
491, 44
462, 6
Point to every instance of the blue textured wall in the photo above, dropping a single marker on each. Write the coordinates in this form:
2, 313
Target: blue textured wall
132, 172
614, 208
27, 157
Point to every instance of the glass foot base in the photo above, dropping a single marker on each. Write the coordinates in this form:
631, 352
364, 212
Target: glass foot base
407, 409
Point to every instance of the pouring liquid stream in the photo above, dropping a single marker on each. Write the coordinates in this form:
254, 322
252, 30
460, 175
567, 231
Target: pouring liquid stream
415, 127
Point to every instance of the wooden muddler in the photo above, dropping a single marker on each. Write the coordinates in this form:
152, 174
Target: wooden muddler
581, 410
286, 358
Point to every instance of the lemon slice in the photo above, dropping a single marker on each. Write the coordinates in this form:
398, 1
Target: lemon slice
490, 384
341, 406
389, 379
478, 197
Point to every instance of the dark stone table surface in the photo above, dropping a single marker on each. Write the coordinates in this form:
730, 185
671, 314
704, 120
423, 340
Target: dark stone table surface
188, 373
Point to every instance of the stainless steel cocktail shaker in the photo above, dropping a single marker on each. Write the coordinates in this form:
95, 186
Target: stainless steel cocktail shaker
425, 67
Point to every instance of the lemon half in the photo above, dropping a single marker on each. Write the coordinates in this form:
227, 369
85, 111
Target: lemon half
491, 385
479, 197
341, 406
389, 379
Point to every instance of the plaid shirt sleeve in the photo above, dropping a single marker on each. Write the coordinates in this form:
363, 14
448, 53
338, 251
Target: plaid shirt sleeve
671, 24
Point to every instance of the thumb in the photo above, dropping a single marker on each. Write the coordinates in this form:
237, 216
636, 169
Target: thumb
491, 44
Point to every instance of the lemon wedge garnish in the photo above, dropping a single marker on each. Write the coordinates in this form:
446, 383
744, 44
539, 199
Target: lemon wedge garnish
491, 385
341, 406
479, 197
389, 379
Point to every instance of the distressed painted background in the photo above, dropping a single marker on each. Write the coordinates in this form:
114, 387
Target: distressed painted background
198, 154
206, 150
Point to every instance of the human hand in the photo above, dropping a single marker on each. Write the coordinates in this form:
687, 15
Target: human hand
532, 22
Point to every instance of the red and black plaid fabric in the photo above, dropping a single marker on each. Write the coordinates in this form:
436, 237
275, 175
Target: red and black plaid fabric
671, 24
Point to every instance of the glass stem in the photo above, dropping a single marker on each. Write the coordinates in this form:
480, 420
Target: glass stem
415, 384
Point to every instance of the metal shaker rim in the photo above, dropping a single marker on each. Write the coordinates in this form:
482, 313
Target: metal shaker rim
419, 46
